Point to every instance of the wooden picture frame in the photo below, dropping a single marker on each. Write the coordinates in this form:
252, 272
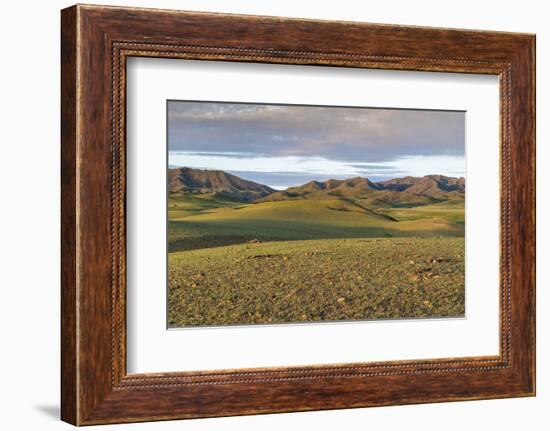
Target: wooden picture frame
95, 43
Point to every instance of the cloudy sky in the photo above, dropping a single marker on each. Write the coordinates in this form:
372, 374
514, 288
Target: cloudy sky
287, 145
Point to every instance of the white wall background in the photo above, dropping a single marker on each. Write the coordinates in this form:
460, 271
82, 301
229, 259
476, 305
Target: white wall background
29, 215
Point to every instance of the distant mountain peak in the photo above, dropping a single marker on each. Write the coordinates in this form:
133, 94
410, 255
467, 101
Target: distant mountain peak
428, 185
217, 182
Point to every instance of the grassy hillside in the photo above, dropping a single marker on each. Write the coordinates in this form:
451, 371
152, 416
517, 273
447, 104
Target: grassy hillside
198, 221
317, 280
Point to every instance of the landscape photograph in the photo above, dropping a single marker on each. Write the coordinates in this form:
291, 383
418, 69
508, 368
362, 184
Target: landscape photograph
284, 214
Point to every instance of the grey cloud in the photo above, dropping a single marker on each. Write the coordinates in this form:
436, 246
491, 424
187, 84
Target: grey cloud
227, 155
346, 134
368, 167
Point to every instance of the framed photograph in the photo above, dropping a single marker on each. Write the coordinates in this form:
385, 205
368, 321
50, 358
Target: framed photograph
263, 214
280, 214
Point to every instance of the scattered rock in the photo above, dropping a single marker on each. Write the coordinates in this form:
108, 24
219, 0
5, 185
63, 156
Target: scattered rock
259, 256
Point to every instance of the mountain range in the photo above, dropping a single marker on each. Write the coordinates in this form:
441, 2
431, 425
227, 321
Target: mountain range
395, 192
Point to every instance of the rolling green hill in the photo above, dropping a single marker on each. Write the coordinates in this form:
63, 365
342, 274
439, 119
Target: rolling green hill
212, 208
207, 221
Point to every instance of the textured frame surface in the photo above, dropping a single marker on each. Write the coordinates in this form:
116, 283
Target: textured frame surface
96, 41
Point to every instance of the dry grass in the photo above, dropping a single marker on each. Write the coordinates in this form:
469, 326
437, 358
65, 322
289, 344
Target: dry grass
317, 280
